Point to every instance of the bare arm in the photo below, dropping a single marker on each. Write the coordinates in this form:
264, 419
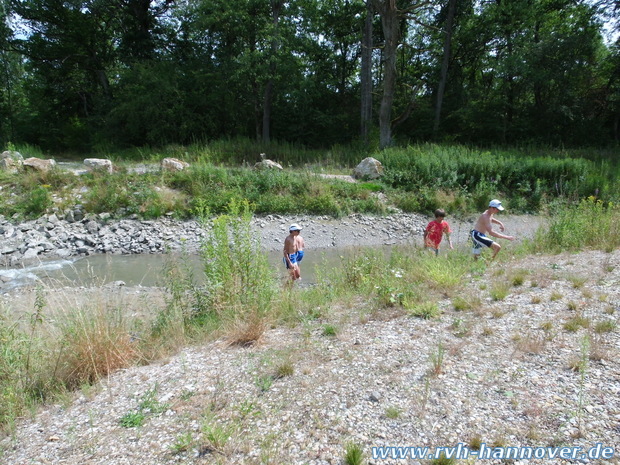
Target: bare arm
499, 223
501, 236
449, 240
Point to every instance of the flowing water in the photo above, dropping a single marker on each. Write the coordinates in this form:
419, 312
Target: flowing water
145, 269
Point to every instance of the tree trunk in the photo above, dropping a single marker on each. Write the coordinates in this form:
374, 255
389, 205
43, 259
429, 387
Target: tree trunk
366, 75
447, 51
267, 101
391, 32
276, 6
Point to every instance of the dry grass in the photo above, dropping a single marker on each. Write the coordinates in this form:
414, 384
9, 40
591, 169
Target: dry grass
246, 331
95, 342
530, 344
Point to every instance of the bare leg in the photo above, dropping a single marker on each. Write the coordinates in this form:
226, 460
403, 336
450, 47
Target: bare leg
496, 248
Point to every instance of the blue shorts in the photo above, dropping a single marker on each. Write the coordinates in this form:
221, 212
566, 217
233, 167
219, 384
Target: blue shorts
294, 258
480, 240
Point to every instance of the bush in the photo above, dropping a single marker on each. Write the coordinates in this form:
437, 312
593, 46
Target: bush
240, 284
590, 223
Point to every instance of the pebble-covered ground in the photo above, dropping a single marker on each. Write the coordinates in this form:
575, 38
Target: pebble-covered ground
516, 371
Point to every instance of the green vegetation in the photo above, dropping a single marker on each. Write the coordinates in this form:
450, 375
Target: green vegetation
589, 223
354, 454
132, 420
417, 179
53, 350
392, 412
148, 405
437, 358
443, 460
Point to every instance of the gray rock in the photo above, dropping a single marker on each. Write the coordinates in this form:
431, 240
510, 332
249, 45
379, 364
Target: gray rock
173, 164
39, 164
368, 168
99, 164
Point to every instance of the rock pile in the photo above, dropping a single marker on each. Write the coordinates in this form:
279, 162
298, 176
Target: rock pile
75, 234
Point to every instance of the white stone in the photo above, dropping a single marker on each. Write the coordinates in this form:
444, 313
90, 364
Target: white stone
99, 164
39, 164
368, 168
174, 164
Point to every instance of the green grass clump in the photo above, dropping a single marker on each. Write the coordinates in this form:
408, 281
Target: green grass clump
499, 290
591, 223
392, 412
425, 310
605, 326
576, 323
443, 460
354, 454
329, 330
132, 420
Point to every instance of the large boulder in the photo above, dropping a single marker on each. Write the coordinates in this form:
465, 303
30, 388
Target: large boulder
368, 168
99, 164
11, 161
173, 164
39, 164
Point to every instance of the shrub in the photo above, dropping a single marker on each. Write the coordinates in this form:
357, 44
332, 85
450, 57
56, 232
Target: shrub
240, 285
590, 223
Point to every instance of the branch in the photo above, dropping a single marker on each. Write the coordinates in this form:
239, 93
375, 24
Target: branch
414, 8
407, 111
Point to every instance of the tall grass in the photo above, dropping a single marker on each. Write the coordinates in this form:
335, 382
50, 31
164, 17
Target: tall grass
53, 350
591, 223
477, 175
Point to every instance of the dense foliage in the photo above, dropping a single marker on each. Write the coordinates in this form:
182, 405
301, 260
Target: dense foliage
94, 74
417, 178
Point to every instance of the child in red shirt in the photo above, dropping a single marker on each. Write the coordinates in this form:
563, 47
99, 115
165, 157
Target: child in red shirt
435, 230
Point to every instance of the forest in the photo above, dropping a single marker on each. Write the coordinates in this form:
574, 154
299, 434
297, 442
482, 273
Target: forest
89, 75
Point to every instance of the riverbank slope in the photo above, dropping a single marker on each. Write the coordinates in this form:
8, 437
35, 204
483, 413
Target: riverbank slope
508, 371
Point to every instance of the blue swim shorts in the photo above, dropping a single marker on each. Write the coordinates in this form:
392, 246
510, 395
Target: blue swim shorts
294, 257
480, 240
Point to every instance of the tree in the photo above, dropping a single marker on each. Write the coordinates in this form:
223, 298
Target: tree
276, 9
366, 74
447, 50
393, 20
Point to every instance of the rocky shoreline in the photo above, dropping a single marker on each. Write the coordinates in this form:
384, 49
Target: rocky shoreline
506, 372
74, 235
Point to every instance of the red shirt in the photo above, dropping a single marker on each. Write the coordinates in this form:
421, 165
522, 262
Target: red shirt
434, 233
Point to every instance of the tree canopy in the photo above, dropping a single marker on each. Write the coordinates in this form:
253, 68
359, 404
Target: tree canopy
83, 74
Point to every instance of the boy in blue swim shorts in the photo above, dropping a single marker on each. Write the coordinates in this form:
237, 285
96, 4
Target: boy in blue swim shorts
293, 251
484, 226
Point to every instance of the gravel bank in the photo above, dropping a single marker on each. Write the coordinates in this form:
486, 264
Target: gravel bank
503, 372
